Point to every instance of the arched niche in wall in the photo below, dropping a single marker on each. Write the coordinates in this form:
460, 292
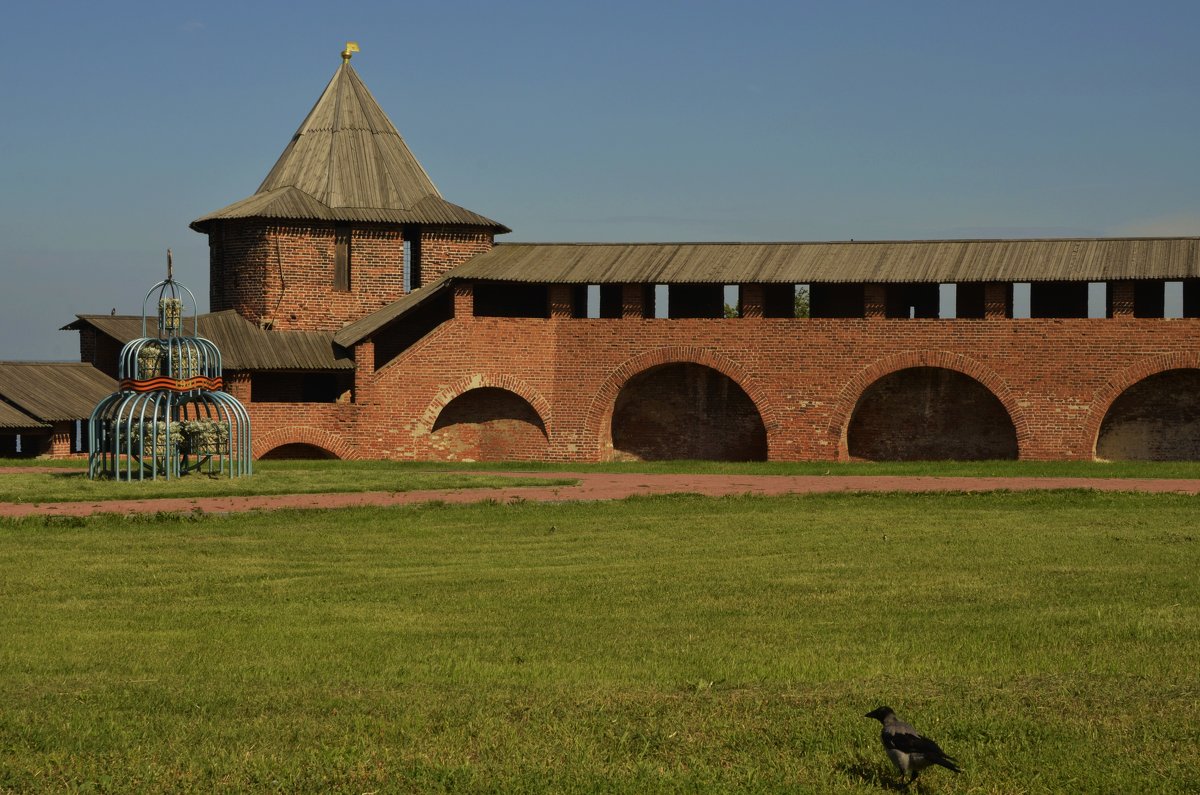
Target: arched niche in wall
297, 451
686, 411
1155, 419
488, 424
930, 414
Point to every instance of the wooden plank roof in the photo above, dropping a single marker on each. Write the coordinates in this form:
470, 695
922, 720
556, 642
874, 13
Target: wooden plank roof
243, 345
347, 162
928, 261
1094, 259
54, 391
13, 419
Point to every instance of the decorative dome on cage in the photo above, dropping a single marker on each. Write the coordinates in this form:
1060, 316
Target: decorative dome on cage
170, 416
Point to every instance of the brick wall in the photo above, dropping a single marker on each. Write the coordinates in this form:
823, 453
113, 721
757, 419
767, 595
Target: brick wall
99, 350
1054, 378
443, 248
284, 273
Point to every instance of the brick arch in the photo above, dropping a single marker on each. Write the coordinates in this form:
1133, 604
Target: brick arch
304, 434
1106, 395
425, 424
847, 399
598, 420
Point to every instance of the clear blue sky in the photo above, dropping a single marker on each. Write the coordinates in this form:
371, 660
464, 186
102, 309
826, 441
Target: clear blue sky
592, 122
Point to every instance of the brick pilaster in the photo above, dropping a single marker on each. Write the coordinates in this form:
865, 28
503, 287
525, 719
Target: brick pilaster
238, 385
874, 301
464, 300
1120, 298
364, 368
995, 300
633, 302
752, 299
560, 301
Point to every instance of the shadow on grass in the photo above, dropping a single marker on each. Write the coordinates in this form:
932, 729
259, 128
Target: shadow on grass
68, 475
874, 774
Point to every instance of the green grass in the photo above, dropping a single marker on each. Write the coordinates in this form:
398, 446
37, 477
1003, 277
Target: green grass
68, 484
1072, 469
680, 644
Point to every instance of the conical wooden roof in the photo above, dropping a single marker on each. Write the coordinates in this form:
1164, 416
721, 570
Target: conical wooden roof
347, 162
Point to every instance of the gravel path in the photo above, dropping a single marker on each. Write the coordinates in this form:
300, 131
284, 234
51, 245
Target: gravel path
603, 486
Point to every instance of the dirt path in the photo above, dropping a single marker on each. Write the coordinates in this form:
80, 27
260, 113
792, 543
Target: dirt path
604, 486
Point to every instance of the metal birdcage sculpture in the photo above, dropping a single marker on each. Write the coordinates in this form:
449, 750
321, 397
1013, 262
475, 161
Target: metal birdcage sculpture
170, 416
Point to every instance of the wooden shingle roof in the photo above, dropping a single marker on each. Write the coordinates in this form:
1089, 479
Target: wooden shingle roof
1092, 259
54, 391
928, 261
347, 162
13, 419
243, 345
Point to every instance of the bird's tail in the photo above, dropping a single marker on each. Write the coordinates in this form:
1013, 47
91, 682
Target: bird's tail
948, 762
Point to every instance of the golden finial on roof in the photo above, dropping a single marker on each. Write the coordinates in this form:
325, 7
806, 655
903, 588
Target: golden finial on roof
170, 266
351, 48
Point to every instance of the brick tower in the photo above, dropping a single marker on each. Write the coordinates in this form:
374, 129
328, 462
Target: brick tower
324, 240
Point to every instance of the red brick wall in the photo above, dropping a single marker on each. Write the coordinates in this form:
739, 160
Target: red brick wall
1055, 378
99, 350
328, 426
284, 273
443, 248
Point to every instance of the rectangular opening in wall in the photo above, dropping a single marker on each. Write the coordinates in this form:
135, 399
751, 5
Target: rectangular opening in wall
801, 301
1190, 289
696, 300
341, 258
778, 300
408, 282
911, 300
1058, 299
611, 297
511, 299
1021, 300
662, 301
412, 258
299, 387
732, 296
969, 301
1173, 300
947, 301
1149, 298
1097, 299
581, 300
836, 301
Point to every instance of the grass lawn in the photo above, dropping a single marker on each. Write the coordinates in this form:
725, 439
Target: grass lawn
681, 644
1030, 469
70, 483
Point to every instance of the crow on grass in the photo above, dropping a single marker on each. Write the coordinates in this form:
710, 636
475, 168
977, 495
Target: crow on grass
909, 751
